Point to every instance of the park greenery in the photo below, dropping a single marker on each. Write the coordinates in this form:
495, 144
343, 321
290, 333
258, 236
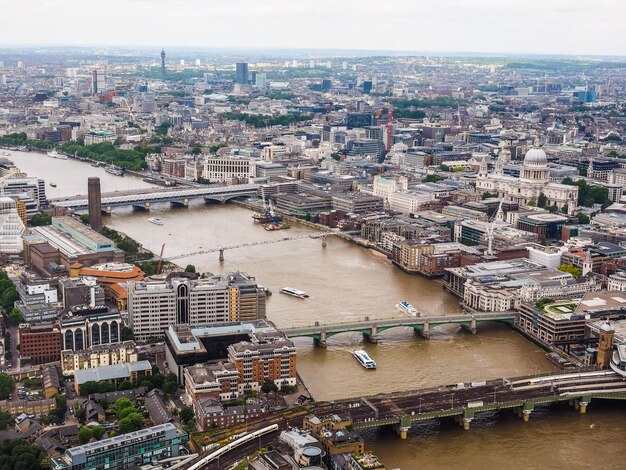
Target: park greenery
18, 454
588, 195
258, 120
20, 139
106, 152
130, 419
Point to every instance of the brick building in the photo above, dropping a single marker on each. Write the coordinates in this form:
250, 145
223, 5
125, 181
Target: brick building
41, 342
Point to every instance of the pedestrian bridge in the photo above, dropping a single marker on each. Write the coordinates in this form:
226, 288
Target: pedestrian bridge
370, 328
143, 199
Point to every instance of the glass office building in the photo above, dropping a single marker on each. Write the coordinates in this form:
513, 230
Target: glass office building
125, 451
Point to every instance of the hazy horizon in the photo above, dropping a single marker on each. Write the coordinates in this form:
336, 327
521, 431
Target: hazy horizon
445, 27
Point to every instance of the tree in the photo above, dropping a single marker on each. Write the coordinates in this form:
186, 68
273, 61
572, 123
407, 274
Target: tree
127, 334
583, 219
15, 317
79, 413
7, 386
61, 402
190, 268
131, 423
186, 414
269, 386
565, 209
542, 200
84, 218
40, 219
570, 268
5, 420
125, 385
98, 432
433, 178
122, 403
84, 435
487, 195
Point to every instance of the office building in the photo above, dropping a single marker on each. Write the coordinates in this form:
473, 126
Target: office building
11, 226
157, 303
241, 75
98, 82
32, 191
87, 327
95, 203
228, 169
38, 299
260, 80
40, 343
143, 447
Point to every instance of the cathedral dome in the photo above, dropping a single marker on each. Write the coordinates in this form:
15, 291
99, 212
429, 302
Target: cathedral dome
535, 157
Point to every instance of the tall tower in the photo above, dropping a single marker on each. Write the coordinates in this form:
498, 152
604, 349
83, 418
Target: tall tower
241, 76
163, 73
94, 199
605, 345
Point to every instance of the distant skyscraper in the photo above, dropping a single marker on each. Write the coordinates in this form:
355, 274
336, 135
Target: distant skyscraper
94, 199
98, 82
163, 72
242, 73
261, 80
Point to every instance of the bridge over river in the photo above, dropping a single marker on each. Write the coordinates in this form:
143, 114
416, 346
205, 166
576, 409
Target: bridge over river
141, 199
371, 328
464, 401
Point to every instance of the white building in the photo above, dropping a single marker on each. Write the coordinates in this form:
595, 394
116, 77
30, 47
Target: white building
397, 195
617, 282
11, 227
534, 180
549, 257
225, 169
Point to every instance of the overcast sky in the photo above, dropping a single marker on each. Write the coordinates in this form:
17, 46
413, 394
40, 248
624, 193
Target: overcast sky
510, 26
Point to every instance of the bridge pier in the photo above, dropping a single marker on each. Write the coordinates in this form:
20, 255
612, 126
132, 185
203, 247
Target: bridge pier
525, 410
221, 255
582, 404
142, 207
323, 241
402, 428
424, 332
473, 328
372, 336
184, 202
321, 341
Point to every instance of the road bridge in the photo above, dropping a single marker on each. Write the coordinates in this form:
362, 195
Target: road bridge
370, 328
142, 199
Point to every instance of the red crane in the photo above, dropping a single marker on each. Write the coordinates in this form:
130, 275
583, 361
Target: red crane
390, 128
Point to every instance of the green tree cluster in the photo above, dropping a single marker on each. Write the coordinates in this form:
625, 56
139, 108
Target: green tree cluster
20, 139
570, 268
190, 268
5, 420
17, 454
40, 219
8, 293
440, 101
269, 386
107, 152
130, 419
92, 386
433, 178
258, 120
588, 195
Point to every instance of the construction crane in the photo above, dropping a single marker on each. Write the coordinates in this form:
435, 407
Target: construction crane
160, 265
390, 128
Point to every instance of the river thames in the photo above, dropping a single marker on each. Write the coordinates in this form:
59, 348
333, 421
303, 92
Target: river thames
346, 282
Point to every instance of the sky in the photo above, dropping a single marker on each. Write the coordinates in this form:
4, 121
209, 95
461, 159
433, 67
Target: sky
573, 27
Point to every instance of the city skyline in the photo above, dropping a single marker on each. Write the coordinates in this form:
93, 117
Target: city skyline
483, 26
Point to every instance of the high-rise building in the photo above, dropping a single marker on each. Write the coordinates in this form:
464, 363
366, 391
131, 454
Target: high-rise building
260, 80
98, 80
241, 77
154, 305
130, 450
95, 203
11, 226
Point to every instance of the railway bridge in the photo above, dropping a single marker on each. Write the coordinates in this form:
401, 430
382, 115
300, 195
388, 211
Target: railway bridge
464, 402
370, 328
141, 199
